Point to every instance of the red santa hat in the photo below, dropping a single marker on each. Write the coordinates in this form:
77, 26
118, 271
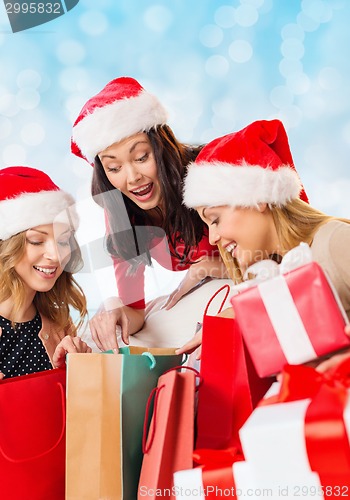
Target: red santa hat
245, 168
122, 108
29, 198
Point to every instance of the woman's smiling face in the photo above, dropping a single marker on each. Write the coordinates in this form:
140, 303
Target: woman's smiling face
47, 250
247, 233
130, 166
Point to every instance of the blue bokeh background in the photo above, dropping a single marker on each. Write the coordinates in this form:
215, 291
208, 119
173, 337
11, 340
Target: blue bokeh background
216, 65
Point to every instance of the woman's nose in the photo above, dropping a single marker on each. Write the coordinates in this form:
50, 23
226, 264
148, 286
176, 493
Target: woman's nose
214, 237
51, 251
133, 174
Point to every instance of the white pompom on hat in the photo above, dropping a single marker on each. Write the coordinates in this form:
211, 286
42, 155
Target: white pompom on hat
121, 109
245, 168
29, 198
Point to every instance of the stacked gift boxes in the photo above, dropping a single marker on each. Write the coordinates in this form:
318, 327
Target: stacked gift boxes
295, 444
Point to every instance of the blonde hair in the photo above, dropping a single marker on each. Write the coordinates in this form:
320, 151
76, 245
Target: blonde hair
295, 222
55, 303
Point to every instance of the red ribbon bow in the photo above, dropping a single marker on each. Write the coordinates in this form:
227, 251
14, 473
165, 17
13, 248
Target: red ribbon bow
326, 437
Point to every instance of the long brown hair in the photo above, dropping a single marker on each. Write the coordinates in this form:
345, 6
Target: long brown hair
180, 224
295, 222
55, 303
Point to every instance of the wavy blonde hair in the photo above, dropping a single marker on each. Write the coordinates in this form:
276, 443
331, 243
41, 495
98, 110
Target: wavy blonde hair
295, 222
55, 303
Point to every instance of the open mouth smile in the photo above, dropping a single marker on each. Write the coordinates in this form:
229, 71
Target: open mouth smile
143, 192
47, 271
231, 247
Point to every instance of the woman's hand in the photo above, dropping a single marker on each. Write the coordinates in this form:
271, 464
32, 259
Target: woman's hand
109, 318
209, 266
1, 375
68, 344
190, 281
196, 340
113, 316
192, 345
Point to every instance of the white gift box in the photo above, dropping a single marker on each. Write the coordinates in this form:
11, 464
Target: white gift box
273, 438
188, 484
250, 480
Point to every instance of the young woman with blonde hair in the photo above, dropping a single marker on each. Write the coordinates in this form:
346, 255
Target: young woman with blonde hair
245, 188
38, 256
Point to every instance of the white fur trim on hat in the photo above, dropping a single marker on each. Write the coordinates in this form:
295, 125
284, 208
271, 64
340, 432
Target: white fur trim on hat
35, 209
114, 122
216, 184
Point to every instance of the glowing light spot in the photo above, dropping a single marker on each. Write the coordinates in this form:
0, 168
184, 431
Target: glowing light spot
211, 35
240, 51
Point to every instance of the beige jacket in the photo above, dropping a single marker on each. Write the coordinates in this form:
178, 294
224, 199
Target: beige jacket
331, 249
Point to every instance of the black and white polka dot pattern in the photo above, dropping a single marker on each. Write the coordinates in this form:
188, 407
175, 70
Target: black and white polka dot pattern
21, 350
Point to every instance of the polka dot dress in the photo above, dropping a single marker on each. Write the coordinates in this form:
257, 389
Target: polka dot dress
21, 350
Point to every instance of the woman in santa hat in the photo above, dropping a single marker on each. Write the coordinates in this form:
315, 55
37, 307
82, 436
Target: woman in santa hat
38, 254
139, 168
245, 187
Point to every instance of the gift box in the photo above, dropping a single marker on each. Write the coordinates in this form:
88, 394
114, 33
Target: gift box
300, 436
250, 479
290, 313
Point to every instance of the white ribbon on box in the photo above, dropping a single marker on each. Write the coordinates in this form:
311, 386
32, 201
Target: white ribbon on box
250, 479
283, 313
189, 485
273, 443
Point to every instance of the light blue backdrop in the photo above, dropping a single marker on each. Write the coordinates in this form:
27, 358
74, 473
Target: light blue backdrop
215, 66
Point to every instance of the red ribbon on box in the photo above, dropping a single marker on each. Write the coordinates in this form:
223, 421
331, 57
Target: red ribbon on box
217, 473
326, 438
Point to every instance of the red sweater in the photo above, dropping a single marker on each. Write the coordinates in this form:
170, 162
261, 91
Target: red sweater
131, 289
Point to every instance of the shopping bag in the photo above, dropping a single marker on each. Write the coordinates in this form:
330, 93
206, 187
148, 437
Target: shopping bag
32, 436
169, 445
106, 400
230, 388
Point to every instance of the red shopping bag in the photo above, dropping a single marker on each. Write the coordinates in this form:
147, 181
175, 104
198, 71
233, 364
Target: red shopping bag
231, 387
169, 445
32, 436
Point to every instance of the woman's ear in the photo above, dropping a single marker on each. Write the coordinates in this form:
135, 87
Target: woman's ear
262, 207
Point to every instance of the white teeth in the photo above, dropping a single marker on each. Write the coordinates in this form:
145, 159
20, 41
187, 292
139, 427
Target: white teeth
144, 188
230, 248
44, 270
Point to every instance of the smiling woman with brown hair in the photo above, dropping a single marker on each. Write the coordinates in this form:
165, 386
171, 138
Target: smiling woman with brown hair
139, 167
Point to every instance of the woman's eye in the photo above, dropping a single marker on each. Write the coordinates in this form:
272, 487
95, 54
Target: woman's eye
142, 158
64, 243
113, 169
215, 221
32, 242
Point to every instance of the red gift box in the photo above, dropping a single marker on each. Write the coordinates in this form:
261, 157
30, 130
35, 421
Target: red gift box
291, 318
212, 479
298, 439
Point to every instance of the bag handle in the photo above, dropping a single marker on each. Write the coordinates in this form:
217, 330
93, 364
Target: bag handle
46, 452
147, 446
180, 367
153, 360
147, 441
213, 297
